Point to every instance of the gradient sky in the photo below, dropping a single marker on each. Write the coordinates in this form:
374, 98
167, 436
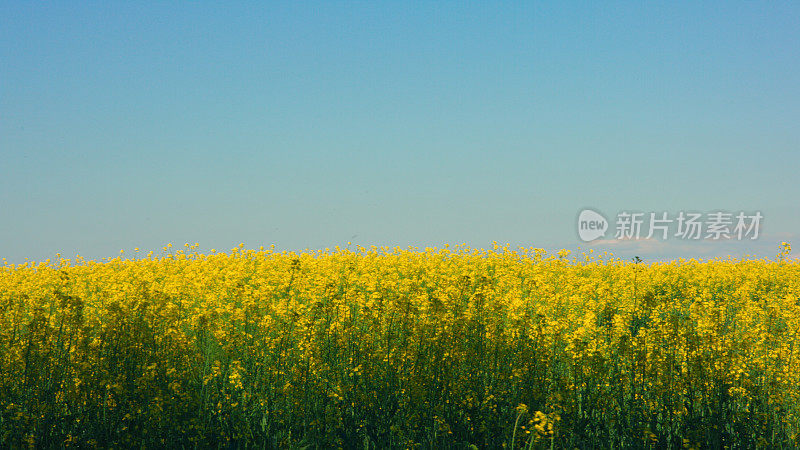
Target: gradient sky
311, 124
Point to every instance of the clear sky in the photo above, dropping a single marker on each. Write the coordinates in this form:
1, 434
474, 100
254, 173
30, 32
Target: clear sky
311, 124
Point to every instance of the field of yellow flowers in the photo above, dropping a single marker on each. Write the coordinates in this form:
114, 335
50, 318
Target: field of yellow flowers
389, 348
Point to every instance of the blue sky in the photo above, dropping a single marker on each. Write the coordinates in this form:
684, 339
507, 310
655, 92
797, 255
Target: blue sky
311, 124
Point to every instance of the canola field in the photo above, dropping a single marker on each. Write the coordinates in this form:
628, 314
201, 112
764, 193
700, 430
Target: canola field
386, 348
